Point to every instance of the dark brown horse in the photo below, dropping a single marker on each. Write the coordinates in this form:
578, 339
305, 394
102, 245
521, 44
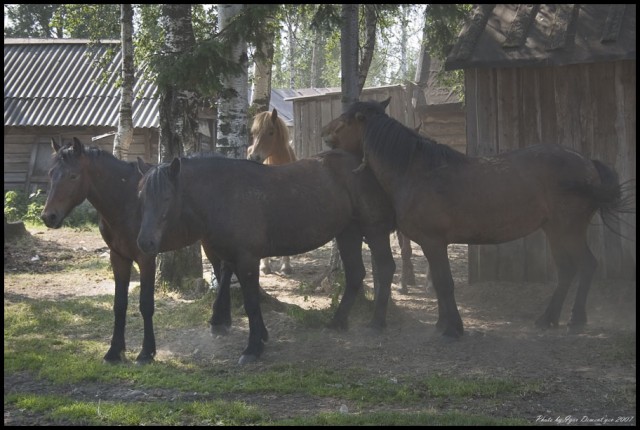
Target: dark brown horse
260, 211
441, 196
111, 186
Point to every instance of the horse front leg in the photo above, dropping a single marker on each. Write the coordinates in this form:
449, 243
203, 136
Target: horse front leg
247, 271
349, 244
121, 273
147, 309
449, 321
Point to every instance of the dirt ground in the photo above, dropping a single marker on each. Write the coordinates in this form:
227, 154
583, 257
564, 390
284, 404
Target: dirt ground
582, 375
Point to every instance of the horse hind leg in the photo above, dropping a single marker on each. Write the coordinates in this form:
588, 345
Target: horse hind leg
286, 266
265, 266
407, 277
566, 256
579, 312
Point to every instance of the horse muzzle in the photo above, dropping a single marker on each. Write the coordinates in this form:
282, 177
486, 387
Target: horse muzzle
148, 246
51, 219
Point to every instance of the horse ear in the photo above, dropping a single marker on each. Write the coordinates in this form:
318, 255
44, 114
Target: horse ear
142, 166
274, 115
77, 146
174, 168
385, 102
55, 145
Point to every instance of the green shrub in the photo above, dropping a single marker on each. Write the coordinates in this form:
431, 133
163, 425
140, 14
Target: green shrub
18, 206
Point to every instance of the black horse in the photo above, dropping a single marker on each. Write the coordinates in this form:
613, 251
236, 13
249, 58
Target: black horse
243, 211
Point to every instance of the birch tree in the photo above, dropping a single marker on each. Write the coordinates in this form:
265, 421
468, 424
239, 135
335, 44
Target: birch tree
124, 136
232, 135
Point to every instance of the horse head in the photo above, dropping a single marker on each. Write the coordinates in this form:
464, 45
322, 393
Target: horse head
160, 205
68, 182
270, 136
347, 131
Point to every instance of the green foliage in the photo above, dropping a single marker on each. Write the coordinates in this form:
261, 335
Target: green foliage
18, 206
444, 22
30, 20
90, 21
87, 21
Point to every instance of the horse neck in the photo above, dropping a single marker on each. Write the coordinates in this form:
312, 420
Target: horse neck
283, 154
389, 178
113, 186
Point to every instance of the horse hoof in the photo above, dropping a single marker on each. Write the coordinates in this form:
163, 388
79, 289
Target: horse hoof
450, 333
338, 325
246, 359
574, 328
376, 327
145, 359
544, 324
447, 338
111, 358
220, 329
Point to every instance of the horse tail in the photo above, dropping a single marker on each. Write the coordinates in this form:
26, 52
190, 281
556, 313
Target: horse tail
611, 197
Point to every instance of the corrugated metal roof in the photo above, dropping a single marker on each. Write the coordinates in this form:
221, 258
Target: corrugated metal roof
51, 82
514, 35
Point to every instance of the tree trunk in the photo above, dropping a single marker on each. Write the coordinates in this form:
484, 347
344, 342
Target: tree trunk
124, 137
349, 54
403, 41
422, 69
317, 58
261, 95
292, 46
182, 269
371, 23
233, 104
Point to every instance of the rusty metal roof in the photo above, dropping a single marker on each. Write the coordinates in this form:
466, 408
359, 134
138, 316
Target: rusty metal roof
515, 35
51, 82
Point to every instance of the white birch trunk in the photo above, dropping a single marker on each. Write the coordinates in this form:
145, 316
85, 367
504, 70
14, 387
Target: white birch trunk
233, 104
124, 136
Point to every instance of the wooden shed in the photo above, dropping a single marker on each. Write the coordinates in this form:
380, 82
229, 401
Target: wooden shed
51, 90
439, 109
311, 113
562, 74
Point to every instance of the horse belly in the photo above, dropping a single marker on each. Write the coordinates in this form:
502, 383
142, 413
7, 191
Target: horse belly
492, 225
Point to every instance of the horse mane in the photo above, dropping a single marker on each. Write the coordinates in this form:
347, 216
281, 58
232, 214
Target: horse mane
398, 145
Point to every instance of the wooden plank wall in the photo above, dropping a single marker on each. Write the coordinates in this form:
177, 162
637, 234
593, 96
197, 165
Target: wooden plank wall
312, 113
588, 107
27, 151
445, 126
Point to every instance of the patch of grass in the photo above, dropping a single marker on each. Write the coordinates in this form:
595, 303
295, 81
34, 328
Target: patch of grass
180, 315
62, 408
624, 348
400, 419
64, 342
311, 318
